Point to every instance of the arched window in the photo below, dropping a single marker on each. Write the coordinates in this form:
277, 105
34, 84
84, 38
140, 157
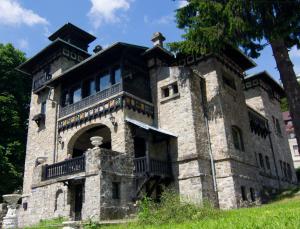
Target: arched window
237, 138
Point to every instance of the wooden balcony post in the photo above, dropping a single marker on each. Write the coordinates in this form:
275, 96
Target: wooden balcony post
147, 156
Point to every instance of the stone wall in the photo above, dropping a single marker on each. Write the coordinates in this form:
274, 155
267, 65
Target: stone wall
259, 100
41, 140
181, 113
3, 211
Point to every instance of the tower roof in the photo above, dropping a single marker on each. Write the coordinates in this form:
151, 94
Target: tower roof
73, 35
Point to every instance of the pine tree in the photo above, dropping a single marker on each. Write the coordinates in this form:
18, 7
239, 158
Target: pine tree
248, 24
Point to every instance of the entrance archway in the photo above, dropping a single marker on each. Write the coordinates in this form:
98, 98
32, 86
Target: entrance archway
80, 142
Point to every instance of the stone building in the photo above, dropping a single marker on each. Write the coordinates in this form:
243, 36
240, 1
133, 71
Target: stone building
289, 128
193, 123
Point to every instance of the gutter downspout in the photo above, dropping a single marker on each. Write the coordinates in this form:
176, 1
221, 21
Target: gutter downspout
213, 169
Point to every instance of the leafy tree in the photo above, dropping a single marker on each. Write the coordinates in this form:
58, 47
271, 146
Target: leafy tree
209, 25
14, 108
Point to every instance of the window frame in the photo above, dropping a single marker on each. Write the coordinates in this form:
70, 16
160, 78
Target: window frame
252, 194
116, 190
244, 193
261, 161
237, 138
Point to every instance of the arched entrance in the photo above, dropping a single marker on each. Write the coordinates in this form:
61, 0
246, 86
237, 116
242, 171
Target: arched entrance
81, 140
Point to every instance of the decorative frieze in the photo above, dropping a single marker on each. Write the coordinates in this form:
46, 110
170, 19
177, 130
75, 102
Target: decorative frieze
103, 108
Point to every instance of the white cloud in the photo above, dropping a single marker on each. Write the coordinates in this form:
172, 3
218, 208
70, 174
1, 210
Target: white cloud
12, 13
182, 3
107, 11
163, 20
23, 44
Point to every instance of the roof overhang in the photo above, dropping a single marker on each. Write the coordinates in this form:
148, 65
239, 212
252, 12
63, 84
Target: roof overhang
149, 128
93, 61
158, 51
27, 66
239, 57
268, 79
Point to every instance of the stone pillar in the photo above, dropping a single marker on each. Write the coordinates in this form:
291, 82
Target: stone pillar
11, 218
3, 211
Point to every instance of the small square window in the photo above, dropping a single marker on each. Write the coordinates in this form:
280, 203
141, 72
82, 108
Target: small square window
165, 92
116, 190
175, 88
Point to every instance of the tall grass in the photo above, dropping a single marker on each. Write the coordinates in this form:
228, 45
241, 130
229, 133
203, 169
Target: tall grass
173, 209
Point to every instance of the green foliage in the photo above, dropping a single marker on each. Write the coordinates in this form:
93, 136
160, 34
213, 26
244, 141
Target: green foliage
284, 105
209, 25
172, 209
282, 213
277, 215
47, 224
14, 108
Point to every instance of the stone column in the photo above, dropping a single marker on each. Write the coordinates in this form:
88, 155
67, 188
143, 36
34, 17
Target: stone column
11, 218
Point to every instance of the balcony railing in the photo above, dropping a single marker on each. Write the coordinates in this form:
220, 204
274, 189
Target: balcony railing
152, 166
92, 99
66, 167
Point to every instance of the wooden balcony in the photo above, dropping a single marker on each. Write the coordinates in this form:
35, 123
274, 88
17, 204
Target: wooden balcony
90, 100
144, 165
67, 167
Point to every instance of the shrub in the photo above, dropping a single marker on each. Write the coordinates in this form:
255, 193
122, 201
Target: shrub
173, 209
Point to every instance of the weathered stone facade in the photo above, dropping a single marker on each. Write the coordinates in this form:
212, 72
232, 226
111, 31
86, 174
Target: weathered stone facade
180, 122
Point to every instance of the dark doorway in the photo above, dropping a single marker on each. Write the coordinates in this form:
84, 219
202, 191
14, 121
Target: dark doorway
77, 152
78, 201
139, 147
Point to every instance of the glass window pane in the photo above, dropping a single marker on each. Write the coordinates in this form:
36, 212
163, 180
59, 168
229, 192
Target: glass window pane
104, 82
77, 95
92, 87
117, 76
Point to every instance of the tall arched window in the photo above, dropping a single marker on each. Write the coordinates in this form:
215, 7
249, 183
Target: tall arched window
237, 138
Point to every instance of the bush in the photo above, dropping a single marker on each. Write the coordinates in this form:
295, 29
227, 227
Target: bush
173, 209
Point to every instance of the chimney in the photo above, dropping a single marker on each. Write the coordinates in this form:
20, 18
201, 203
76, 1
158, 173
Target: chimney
98, 48
158, 39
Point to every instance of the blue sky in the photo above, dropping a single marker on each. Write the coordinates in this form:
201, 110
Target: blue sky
28, 23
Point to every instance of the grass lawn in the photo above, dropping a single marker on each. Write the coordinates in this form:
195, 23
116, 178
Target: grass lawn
283, 213
280, 214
